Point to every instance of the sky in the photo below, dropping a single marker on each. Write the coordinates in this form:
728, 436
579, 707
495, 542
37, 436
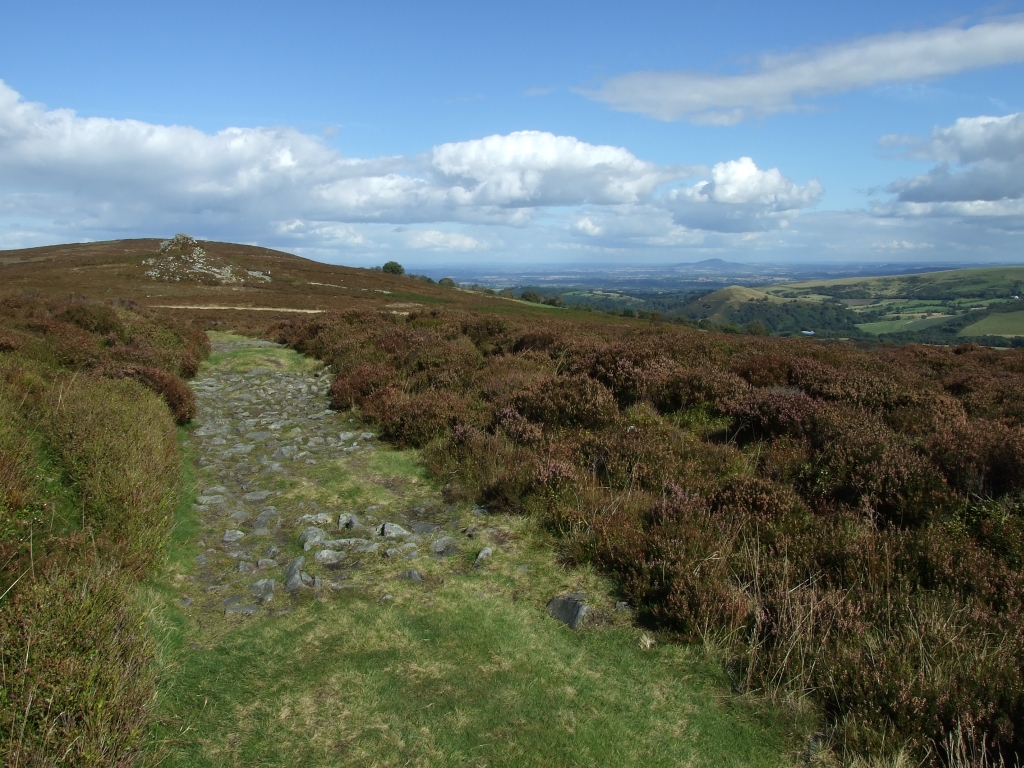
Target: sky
528, 133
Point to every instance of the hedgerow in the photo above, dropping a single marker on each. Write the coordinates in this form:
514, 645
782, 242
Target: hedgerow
845, 522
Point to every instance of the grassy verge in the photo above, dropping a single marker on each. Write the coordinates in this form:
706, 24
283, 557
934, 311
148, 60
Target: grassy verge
88, 477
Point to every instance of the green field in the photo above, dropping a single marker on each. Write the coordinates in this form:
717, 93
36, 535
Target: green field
904, 323
1001, 324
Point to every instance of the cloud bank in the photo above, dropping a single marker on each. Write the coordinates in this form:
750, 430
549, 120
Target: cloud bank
95, 177
980, 170
527, 196
779, 83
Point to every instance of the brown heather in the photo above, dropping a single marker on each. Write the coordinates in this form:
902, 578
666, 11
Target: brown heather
89, 475
845, 523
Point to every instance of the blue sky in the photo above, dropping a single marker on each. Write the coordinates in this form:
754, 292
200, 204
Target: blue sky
471, 133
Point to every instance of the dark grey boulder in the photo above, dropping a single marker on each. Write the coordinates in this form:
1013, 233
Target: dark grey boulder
310, 537
391, 529
444, 546
293, 575
570, 609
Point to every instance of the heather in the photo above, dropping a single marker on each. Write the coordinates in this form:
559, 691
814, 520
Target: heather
89, 477
844, 523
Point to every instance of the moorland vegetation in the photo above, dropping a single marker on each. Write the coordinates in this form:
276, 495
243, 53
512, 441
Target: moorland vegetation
89, 478
843, 523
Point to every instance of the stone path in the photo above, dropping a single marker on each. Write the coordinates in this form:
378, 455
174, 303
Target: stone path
273, 528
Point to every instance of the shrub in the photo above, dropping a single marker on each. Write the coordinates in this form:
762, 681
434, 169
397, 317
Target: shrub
566, 401
393, 268
351, 388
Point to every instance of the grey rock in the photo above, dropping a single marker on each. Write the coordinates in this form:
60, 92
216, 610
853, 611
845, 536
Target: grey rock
200, 559
255, 497
342, 543
231, 536
365, 548
258, 435
320, 518
393, 552
245, 566
266, 562
480, 510
263, 590
391, 529
346, 436
483, 555
425, 527
308, 580
210, 500
284, 452
387, 598
412, 575
570, 609
186, 602
622, 605
310, 537
444, 546
239, 516
293, 575
367, 436
412, 555
329, 557
216, 490
245, 610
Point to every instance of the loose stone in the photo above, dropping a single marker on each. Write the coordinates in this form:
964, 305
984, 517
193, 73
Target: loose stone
570, 609
293, 575
263, 590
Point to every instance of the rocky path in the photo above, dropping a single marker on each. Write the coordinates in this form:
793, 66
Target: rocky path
271, 529
323, 606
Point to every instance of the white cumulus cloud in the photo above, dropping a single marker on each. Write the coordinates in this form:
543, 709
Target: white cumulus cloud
980, 169
779, 82
740, 197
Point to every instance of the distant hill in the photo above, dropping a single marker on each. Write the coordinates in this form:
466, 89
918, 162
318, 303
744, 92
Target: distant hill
936, 307
738, 306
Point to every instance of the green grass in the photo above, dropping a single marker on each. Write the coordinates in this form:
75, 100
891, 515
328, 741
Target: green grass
244, 360
465, 668
999, 324
913, 323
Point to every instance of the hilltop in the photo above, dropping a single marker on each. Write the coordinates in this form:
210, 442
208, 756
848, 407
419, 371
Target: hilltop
206, 274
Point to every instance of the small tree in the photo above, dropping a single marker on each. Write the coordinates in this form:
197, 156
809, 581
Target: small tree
394, 268
533, 296
446, 282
